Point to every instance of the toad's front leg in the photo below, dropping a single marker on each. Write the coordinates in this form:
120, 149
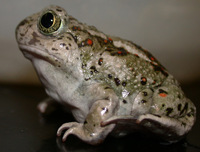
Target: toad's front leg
91, 131
48, 106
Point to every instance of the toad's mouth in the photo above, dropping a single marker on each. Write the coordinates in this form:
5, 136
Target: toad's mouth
33, 52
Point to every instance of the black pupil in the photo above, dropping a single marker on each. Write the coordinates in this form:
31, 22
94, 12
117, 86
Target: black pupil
47, 20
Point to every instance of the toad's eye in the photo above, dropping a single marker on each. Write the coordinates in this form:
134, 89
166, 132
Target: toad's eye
49, 23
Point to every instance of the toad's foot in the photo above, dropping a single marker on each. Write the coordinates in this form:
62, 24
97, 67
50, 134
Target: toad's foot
72, 128
80, 131
91, 131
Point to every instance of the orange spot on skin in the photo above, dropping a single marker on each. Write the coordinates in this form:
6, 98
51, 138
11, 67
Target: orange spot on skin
119, 52
100, 61
152, 59
144, 79
163, 94
109, 39
89, 42
136, 55
74, 28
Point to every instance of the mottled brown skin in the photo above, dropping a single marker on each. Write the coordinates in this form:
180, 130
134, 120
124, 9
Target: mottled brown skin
109, 84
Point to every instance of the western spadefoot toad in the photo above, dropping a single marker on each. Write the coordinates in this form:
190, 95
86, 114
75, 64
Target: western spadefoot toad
110, 85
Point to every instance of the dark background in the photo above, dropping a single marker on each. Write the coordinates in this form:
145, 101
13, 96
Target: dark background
23, 129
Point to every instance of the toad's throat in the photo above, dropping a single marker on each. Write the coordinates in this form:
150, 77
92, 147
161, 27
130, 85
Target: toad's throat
33, 52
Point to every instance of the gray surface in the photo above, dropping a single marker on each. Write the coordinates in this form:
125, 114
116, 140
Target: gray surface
167, 28
23, 129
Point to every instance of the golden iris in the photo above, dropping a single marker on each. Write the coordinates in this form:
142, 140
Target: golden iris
49, 22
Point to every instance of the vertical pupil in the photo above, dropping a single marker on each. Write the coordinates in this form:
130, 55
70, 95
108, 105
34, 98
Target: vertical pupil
47, 20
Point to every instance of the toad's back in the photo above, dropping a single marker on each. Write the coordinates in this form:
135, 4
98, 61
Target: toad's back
119, 63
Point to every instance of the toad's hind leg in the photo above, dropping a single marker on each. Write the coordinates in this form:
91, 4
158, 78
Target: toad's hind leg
169, 129
91, 131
